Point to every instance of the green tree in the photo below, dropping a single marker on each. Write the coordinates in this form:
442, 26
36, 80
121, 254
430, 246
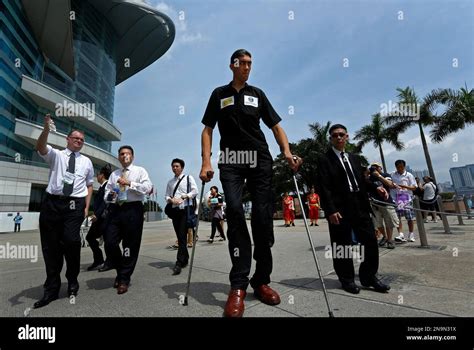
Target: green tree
377, 133
458, 114
400, 122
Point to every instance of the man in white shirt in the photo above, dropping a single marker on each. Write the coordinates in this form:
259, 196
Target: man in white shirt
180, 191
402, 194
125, 191
66, 205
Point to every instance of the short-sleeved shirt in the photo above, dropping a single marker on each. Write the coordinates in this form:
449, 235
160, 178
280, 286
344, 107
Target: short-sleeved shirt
406, 179
58, 162
238, 117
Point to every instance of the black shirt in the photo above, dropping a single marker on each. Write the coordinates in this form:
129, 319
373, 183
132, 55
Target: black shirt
238, 116
375, 181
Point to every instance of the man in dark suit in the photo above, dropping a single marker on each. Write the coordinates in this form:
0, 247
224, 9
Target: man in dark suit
342, 189
99, 221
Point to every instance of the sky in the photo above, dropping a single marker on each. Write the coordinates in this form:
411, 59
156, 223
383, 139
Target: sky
317, 61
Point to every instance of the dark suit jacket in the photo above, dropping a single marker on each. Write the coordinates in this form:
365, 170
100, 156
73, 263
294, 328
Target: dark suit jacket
333, 186
99, 203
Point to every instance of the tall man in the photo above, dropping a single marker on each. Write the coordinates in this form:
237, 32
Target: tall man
98, 220
125, 190
237, 109
180, 191
342, 188
66, 205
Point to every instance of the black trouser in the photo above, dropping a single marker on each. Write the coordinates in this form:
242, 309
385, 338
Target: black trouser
60, 224
97, 229
124, 224
354, 218
179, 224
216, 224
19, 226
259, 185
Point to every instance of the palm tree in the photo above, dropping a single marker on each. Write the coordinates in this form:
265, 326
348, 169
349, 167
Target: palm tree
378, 134
458, 114
400, 122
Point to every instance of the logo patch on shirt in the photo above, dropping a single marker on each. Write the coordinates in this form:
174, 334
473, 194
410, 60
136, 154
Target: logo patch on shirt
250, 101
228, 101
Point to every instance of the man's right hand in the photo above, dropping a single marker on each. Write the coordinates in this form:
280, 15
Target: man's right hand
206, 173
47, 121
334, 218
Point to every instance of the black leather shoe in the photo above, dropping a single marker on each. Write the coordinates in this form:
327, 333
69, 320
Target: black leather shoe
377, 285
72, 289
176, 270
44, 301
94, 266
105, 267
351, 287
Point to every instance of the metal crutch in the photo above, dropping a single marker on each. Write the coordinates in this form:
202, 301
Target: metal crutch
185, 303
312, 245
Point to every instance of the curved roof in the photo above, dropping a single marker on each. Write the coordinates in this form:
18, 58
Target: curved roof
144, 33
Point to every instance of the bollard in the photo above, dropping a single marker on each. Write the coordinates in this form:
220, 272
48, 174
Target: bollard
458, 210
468, 210
420, 223
443, 216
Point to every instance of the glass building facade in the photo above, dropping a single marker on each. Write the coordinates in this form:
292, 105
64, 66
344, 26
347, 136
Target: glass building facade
94, 61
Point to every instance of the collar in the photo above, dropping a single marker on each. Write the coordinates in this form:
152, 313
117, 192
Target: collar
68, 152
129, 168
337, 152
231, 87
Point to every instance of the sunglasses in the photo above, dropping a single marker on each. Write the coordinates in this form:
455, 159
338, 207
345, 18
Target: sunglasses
338, 134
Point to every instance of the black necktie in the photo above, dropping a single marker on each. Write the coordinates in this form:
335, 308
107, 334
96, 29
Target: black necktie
355, 188
67, 188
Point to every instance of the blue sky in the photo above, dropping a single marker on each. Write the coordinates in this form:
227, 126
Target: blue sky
298, 50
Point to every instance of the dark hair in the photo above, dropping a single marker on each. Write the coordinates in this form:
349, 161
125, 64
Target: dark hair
400, 161
217, 190
336, 126
106, 170
177, 160
125, 147
74, 130
239, 53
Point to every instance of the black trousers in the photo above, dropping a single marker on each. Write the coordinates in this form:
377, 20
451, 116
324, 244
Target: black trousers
259, 185
124, 224
354, 218
216, 224
97, 229
60, 224
179, 224
17, 226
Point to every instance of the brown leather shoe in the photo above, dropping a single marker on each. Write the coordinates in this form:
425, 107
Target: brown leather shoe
267, 295
235, 303
122, 288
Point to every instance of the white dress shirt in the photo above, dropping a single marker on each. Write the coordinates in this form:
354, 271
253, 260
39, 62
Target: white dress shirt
181, 190
58, 162
338, 154
406, 179
140, 184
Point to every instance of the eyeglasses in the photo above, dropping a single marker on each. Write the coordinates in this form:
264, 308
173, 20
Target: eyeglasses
338, 134
77, 138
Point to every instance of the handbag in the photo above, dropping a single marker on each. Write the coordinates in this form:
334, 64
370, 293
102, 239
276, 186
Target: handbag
191, 217
169, 210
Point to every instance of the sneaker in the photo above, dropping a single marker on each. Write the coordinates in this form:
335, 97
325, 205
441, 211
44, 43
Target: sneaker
412, 237
426, 221
390, 245
382, 242
435, 221
210, 240
401, 237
